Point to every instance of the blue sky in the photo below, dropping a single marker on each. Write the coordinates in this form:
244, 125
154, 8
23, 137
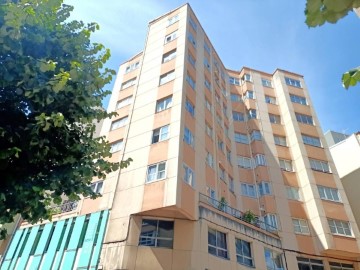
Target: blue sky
263, 35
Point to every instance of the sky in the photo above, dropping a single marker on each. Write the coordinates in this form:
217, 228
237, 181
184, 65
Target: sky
260, 34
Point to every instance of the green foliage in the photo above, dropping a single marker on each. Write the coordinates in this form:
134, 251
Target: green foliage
222, 204
51, 87
249, 216
320, 11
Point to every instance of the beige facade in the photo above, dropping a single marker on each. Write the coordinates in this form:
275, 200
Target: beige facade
229, 168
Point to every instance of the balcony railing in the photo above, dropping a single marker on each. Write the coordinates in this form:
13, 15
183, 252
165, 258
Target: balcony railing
222, 206
67, 206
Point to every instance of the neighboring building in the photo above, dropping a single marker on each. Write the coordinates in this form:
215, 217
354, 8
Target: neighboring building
212, 147
333, 137
346, 156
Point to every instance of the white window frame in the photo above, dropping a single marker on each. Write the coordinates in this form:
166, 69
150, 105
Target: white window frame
340, 227
280, 140
128, 83
252, 114
193, 24
286, 165
293, 193
207, 64
235, 97
170, 37
241, 257
301, 226
248, 190
208, 105
158, 175
190, 107
169, 56
188, 137
191, 39
207, 48
160, 134
163, 104
255, 135
116, 146
270, 99
241, 138
249, 94
293, 82
167, 77
305, 119
97, 186
209, 130
274, 118
189, 175
266, 82
234, 81
209, 159
191, 59
329, 194
124, 102
319, 165
260, 160
173, 19
132, 67
298, 99
238, 116
190, 81
264, 188
310, 263
272, 220
310, 140
231, 184
274, 257
219, 248
246, 77
119, 123
341, 266
245, 162
222, 174
207, 84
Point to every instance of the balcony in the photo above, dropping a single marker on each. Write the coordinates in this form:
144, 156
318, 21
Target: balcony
221, 206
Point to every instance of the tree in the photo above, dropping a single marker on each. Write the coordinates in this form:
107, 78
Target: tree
320, 11
51, 87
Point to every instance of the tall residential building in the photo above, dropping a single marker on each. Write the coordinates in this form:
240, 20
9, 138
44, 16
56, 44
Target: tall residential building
229, 172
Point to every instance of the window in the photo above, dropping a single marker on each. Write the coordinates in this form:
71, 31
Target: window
280, 140
285, 165
169, 56
300, 226
292, 82
341, 266
189, 176
97, 187
189, 107
255, 135
260, 160
173, 19
157, 233
206, 64
188, 137
116, 146
210, 160
119, 123
224, 108
163, 104
193, 24
271, 220
217, 243
212, 194
208, 105
231, 184
293, 193
274, 118
330, 194
170, 37
298, 99
243, 252
248, 190
305, 119
217, 98
234, 81
218, 119
190, 81
238, 116
270, 100
309, 264
128, 83
222, 173
207, 84
209, 130
124, 102
206, 47
241, 138
226, 131
191, 59
156, 172
250, 94
273, 260
252, 114
314, 141
266, 82
220, 145
191, 39
160, 134
339, 227
318, 165
264, 188
246, 77
132, 67
245, 162
235, 98
167, 77
228, 155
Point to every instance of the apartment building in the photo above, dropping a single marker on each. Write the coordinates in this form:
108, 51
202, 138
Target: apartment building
229, 172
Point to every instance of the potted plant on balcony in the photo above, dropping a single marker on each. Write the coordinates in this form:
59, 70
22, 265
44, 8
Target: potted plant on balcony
222, 204
249, 217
